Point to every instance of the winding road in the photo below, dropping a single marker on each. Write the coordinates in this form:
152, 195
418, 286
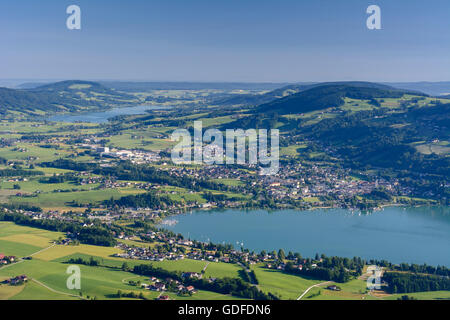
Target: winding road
58, 292
316, 285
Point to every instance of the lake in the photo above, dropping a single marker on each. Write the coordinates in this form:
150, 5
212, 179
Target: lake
397, 234
103, 116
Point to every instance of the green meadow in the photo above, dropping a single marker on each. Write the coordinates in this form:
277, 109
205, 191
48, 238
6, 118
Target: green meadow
31, 150
17, 249
47, 269
222, 270
285, 286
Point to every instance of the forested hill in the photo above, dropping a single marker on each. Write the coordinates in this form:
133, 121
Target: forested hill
289, 90
65, 96
331, 95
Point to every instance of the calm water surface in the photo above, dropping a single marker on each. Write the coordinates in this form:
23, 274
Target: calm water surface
413, 235
103, 116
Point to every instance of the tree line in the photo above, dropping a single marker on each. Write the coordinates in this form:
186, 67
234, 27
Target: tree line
145, 200
94, 235
412, 282
19, 173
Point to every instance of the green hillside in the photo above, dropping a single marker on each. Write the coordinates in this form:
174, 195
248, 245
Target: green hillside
329, 96
65, 96
290, 90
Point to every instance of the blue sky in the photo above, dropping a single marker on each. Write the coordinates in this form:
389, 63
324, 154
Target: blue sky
232, 40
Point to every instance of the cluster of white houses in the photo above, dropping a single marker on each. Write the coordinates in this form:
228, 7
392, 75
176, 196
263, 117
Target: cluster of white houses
160, 286
6, 259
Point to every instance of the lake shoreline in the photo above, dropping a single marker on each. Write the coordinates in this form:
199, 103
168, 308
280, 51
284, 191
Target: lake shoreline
103, 115
395, 233
219, 209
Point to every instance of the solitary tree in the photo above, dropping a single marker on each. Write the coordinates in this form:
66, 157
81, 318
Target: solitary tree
281, 254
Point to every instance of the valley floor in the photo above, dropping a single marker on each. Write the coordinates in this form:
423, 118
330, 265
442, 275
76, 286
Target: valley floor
47, 277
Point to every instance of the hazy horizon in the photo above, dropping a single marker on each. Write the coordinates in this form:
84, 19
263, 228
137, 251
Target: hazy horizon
50, 80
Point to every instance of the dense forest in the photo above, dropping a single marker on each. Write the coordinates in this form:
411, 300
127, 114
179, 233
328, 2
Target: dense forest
407, 282
19, 173
146, 200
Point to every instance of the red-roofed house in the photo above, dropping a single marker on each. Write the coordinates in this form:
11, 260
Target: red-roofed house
190, 288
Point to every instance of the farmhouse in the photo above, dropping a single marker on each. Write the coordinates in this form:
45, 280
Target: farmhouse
159, 286
334, 288
191, 275
6, 259
190, 289
16, 280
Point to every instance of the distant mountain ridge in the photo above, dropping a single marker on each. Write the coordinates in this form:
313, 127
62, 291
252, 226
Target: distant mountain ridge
254, 100
78, 95
432, 88
64, 96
